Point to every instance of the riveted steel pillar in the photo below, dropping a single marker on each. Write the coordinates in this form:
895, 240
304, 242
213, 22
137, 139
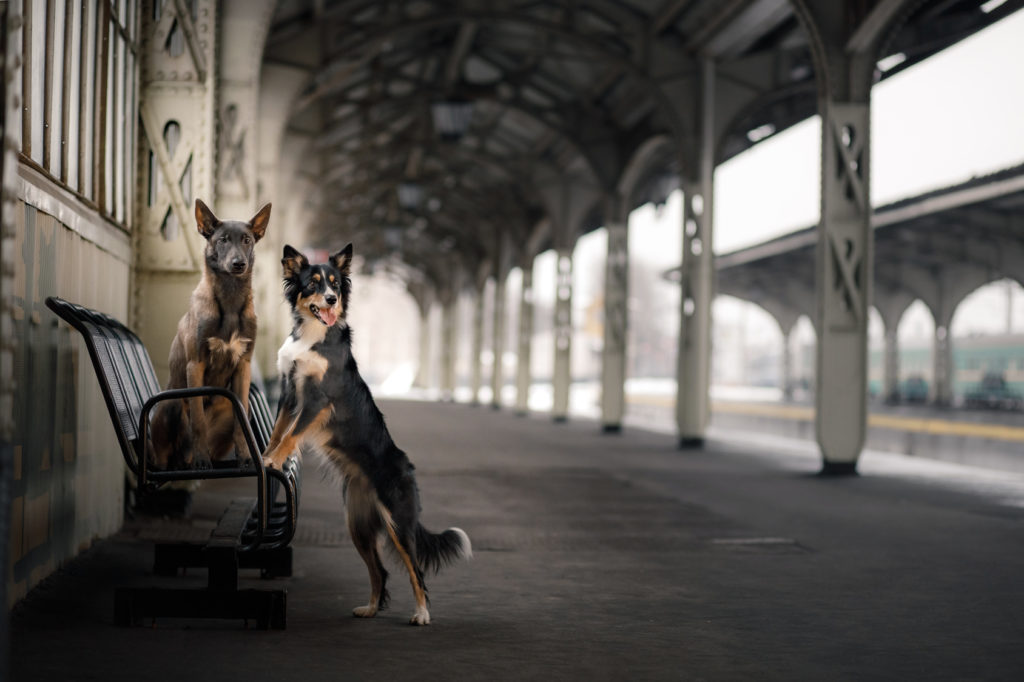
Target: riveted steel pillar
476, 372
498, 342
696, 281
891, 367
178, 82
616, 317
562, 377
525, 341
846, 39
844, 273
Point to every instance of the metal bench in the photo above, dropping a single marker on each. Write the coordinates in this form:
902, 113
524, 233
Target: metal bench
253, 532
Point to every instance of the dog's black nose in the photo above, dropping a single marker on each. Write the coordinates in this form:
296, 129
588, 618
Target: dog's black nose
331, 300
238, 265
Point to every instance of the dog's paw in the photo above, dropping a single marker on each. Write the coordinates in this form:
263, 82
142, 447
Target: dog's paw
421, 617
368, 611
199, 462
156, 464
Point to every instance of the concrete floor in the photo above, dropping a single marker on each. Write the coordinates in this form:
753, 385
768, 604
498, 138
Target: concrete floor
600, 558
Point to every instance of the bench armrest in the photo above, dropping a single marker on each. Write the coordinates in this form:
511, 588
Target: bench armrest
240, 417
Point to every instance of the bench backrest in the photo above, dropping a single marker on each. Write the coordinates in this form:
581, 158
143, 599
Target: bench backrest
123, 369
261, 419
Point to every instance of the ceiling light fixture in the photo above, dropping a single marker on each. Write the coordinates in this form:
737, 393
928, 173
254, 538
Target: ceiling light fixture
409, 195
892, 61
451, 118
760, 132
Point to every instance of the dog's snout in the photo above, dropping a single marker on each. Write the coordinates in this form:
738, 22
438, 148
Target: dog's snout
238, 264
331, 299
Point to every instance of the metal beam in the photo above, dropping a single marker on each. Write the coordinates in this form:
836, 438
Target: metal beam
151, 129
949, 201
667, 14
460, 48
871, 27
189, 29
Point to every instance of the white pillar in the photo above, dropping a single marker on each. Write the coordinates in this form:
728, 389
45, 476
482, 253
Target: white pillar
448, 350
942, 362
694, 359
616, 318
525, 341
786, 378
563, 336
891, 367
478, 344
498, 342
423, 370
844, 274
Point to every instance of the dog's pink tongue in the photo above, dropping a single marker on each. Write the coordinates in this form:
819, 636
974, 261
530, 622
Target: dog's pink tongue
329, 316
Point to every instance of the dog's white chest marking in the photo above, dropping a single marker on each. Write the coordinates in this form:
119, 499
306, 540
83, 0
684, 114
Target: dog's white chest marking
290, 351
232, 350
297, 352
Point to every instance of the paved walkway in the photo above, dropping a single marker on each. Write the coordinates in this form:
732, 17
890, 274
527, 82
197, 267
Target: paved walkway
597, 558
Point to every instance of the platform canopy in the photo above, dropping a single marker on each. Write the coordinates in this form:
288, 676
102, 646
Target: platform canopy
436, 129
937, 247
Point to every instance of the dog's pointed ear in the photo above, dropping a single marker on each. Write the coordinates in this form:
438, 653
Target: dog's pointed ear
205, 220
343, 260
260, 221
292, 262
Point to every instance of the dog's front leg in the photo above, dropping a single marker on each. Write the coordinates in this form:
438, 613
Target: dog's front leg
287, 417
311, 417
282, 441
195, 372
240, 386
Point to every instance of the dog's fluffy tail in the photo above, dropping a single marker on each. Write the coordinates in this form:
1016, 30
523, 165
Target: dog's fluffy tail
435, 550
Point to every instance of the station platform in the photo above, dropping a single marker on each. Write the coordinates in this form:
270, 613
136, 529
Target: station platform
597, 557
990, 439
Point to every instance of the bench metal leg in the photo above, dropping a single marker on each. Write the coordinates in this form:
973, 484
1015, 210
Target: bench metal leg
268, 608
170, 558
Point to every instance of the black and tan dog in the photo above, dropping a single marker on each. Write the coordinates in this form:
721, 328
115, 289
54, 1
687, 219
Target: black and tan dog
213, 346
325, 404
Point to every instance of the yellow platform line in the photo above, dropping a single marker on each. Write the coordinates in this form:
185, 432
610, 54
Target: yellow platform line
946, 427
938, 427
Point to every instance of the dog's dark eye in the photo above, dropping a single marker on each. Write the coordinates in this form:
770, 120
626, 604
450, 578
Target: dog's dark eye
247, 240
223, 240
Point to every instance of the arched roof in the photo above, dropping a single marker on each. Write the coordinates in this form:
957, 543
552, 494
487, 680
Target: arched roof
438, 125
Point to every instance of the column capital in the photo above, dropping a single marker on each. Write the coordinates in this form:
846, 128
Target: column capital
615, 208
